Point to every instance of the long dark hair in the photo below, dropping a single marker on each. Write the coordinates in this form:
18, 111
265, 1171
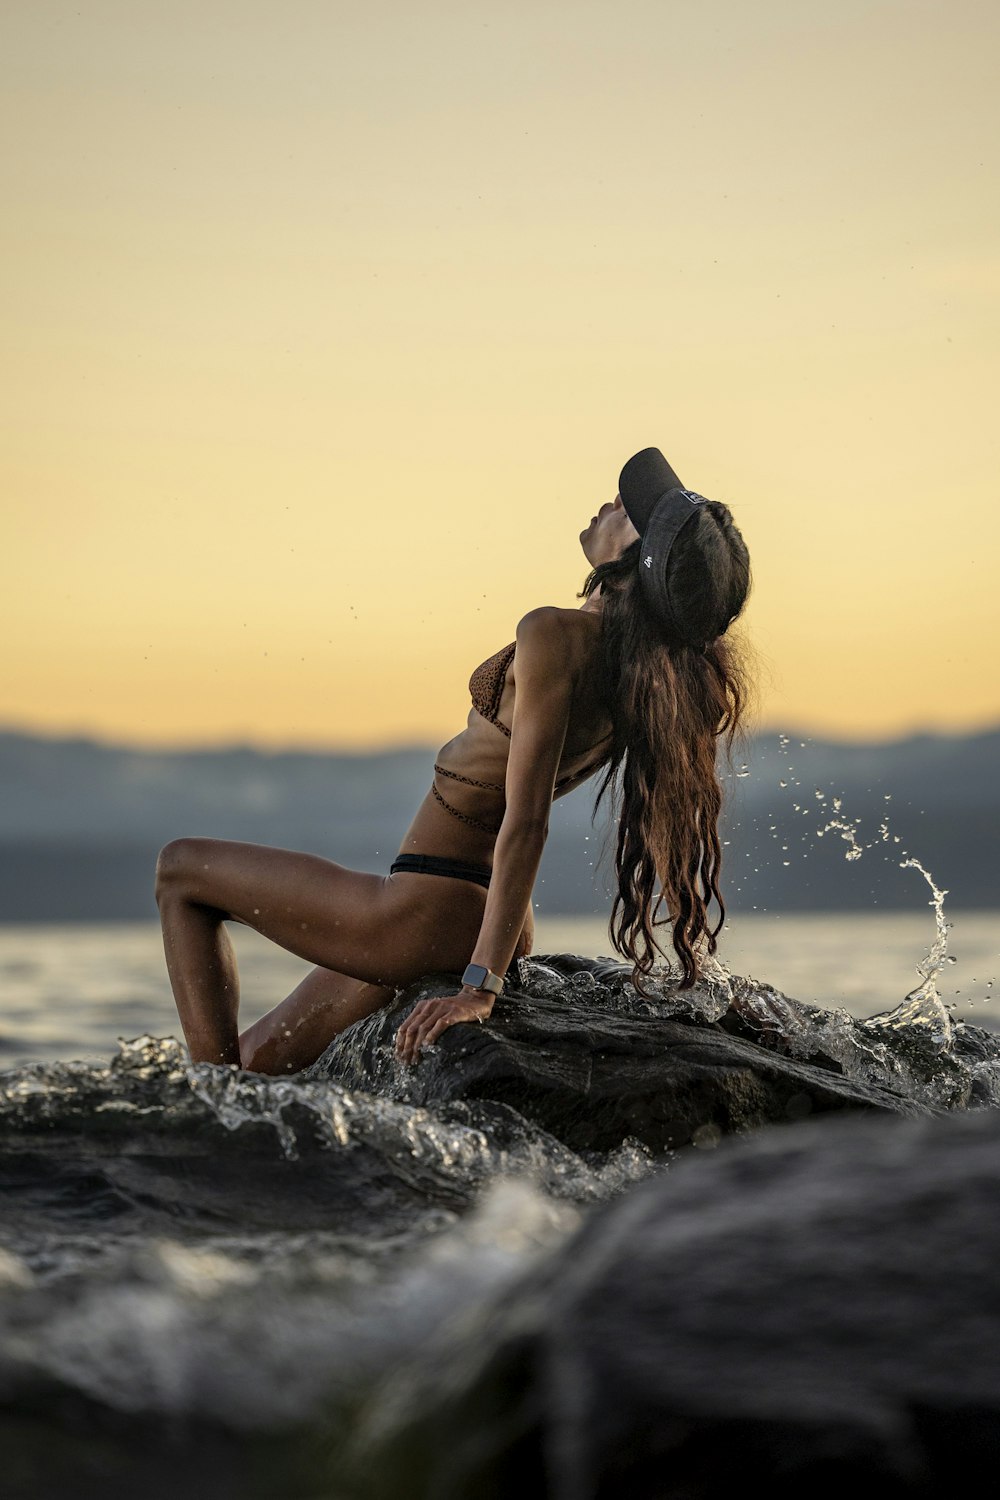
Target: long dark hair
672, 703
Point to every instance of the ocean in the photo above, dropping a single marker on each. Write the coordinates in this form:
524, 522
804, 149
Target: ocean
211, 1280
69, 990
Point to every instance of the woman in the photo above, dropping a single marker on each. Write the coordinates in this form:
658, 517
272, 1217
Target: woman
640, 677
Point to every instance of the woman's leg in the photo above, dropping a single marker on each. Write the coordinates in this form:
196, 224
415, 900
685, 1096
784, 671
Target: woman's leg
296, 1032
382, 931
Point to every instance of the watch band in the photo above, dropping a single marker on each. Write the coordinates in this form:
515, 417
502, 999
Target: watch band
479, 977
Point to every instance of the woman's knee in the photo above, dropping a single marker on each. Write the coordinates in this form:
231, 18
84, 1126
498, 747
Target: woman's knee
172, 864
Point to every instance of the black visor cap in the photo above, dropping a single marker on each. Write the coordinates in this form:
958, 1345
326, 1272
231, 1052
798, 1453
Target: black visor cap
645, 478
659, 508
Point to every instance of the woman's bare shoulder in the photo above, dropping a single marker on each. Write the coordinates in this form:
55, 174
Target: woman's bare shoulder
561, 642
550, 629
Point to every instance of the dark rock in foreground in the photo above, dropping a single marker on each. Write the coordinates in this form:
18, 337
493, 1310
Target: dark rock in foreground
814, 1308
593, 1064
219, 1281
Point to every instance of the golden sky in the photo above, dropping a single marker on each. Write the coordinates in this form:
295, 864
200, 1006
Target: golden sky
328, 327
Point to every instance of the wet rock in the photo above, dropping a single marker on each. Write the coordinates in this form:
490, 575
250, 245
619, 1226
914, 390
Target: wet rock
574, 1049
151, 1144
809, 1309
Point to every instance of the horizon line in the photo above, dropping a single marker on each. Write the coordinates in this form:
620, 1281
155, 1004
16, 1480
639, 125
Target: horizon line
223, 746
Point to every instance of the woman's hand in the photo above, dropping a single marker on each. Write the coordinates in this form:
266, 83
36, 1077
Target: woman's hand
429, 1018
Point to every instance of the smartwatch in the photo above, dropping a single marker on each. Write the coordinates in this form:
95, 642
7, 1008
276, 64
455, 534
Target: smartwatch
479, 977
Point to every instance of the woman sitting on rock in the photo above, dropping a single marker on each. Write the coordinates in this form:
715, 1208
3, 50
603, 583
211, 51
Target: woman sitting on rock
640, 679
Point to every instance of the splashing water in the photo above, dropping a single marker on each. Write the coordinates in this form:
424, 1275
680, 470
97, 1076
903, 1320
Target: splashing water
848, 832
923, 1006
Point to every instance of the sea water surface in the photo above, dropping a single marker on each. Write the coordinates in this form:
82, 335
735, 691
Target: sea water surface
70, 990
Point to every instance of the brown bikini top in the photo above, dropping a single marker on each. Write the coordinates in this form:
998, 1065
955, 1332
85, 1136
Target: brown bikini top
486, 686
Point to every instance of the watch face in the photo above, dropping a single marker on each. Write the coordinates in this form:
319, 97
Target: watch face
478, 977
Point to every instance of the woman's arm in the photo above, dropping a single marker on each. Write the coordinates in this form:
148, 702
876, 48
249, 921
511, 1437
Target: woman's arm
542, 701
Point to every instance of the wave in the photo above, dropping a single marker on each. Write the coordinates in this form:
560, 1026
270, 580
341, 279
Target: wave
246, 1255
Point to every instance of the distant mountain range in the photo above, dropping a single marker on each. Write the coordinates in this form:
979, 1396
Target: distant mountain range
81, 821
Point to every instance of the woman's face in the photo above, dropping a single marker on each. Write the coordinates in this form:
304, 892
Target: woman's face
608, 534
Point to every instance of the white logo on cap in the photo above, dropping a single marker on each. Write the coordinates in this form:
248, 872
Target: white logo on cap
648, 560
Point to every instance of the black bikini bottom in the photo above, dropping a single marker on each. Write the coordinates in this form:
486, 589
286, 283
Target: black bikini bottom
438, 864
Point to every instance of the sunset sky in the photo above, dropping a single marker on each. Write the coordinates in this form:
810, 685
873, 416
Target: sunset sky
328, 327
